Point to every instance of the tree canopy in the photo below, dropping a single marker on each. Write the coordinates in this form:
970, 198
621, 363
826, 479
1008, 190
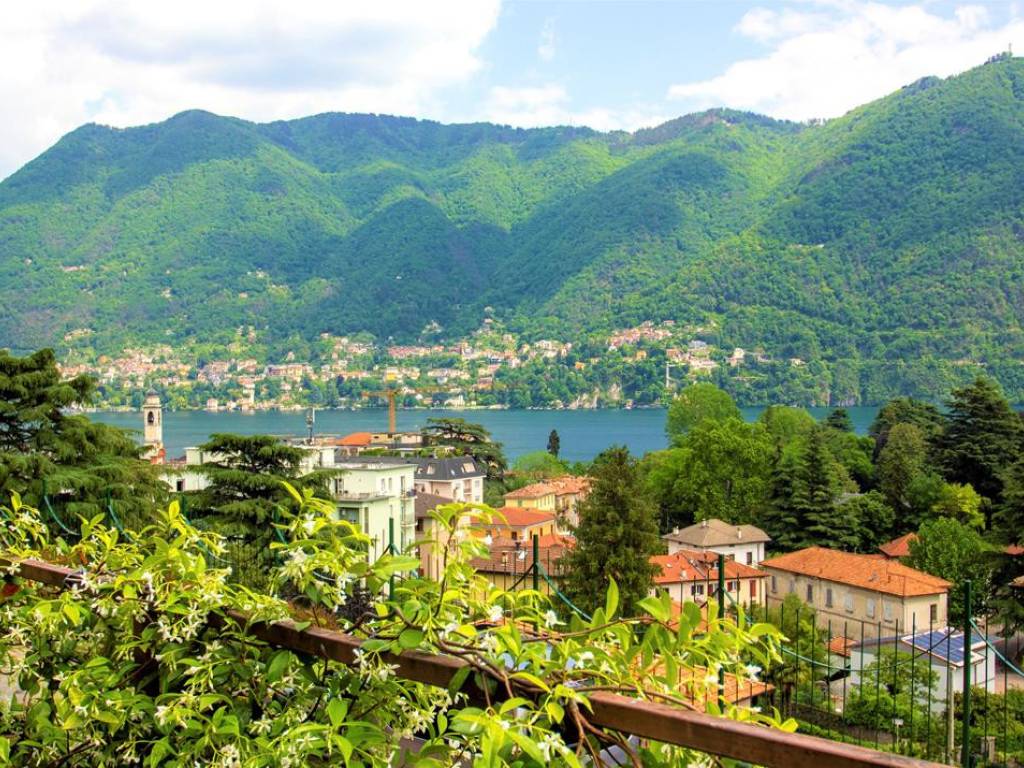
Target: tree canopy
616, 536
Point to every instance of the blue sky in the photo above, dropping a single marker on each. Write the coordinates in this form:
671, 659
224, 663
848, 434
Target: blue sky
610, 65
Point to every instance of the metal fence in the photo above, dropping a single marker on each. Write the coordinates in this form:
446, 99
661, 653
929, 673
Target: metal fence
929, 691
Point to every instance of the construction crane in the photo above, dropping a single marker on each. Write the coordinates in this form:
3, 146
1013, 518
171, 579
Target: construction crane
391, 395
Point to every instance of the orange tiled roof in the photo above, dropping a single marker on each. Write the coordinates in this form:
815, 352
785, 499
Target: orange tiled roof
695, 565
900, 547
1014, 550
504, 555
570, 484
356, 438
520, 517
841, 646
863, 571
532, 491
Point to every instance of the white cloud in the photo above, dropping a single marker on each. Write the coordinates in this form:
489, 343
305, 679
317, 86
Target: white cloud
832, 56
546, 48
120, 62
549, 104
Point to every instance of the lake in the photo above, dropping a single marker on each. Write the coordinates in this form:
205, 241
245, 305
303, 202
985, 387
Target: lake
583, 433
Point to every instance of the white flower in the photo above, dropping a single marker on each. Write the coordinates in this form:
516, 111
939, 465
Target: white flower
495, 612
551, 619
308, 524
585, 658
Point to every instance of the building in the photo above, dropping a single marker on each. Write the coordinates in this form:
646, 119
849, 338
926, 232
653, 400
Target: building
742, 543
376, 493
511, 561
429, 536
879, 595
692, 576
187, 477
899, 547
942, 649
534, 496
354, 443
518, 524
153, 428
457, 478
560, 495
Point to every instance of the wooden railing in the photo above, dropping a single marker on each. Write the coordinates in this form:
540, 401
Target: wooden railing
645, 719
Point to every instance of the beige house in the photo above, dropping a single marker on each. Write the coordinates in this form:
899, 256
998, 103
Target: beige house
535, 496
742, 543
692, 576
881, 596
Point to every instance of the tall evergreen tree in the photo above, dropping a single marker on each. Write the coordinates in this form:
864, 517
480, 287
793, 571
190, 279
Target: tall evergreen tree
554, 443
817, 497
840, 419
983, 437
903, 459
781, 517
246, 476
905, 410
616, 537
78, 463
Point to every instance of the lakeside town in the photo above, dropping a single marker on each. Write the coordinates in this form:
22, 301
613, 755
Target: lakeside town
630, 367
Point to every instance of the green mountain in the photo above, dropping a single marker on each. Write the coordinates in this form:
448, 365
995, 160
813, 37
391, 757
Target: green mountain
892, 234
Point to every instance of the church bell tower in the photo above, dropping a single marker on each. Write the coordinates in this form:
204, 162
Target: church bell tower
153, 427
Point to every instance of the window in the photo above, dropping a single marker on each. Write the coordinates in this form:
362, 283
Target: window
699, 589
750, 558
753, 588
391, 483
792, 586
775, 586
871, 608
849, 603
933, 612
887, 610
810, 594
731, 586
828, 597
180, 486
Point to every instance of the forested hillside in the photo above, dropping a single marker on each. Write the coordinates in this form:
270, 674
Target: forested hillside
889, 238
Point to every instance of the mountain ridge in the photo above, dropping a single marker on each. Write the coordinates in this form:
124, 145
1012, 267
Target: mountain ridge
891, 233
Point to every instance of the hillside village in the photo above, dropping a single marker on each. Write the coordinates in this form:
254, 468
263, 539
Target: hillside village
631, 367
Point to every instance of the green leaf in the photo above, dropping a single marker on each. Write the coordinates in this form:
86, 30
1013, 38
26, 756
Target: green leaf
337, 709
611, 601
526, 744
276, 667
411, 638
458, 679
654, 607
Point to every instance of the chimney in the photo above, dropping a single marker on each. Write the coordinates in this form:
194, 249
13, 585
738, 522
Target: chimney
704, 523
739, 533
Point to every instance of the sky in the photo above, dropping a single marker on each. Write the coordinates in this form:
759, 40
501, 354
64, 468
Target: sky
607, 64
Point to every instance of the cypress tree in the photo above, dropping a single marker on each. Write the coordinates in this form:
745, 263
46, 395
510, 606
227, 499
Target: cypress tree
616, 537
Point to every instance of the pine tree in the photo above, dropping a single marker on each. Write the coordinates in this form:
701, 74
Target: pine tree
840, 420
468, 439
983, 437
900, 462
616, 537
246, 490
554, 443
79, 464
781, 518
821, 485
